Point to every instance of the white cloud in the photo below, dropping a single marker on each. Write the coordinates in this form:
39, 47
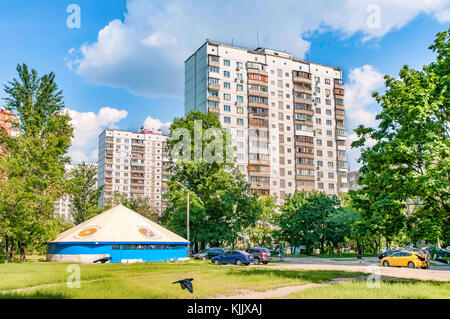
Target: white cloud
145, 52
87, 127
155, 124
361, 107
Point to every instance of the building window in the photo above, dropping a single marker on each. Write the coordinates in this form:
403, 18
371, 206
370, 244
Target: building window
227, 108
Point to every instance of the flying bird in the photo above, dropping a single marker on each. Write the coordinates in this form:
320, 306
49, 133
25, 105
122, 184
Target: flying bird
186, 284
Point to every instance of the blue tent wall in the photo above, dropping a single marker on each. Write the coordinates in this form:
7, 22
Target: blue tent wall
153, 252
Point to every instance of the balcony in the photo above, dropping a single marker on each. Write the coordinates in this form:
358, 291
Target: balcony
339, 92
212, 62
259, 186
340, 107
300, 79
305, 178
213, 87
302, 100
214, 98
303, 89
258, 104
258, 93
259, 162
215, 110
257, 71
338, 83
257, 82
340, 117
304, 155
304, 166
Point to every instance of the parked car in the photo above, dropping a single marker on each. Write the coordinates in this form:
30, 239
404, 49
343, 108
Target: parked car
234, 257
209, 253
387, 253
439, 252
201, 254
261, 254
408, 259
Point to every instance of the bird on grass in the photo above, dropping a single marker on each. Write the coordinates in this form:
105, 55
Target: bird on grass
186, 284
103, 260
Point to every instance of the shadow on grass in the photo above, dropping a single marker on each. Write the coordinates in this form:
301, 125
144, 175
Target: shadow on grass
34, 295
315, 276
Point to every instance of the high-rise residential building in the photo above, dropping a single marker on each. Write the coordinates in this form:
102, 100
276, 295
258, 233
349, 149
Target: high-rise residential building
133, 164
286, 115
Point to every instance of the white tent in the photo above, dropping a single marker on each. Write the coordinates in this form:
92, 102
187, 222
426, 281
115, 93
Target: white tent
118, 233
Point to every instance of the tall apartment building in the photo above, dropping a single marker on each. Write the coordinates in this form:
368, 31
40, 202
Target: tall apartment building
133, 164
286, 115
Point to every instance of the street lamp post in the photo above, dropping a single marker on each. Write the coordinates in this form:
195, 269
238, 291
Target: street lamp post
187, 218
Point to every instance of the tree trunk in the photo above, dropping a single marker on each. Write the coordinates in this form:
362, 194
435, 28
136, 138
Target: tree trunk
6, 249
11, 252
23, 252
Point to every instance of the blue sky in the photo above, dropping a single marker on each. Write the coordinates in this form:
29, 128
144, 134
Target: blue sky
124, 66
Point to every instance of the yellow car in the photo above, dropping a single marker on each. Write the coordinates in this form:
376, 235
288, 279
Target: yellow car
408, 259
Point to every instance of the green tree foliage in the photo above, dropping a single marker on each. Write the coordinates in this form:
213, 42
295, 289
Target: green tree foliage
410, 158
33, 162
221, 205
312, 220
83, 192
141, 205
263, 232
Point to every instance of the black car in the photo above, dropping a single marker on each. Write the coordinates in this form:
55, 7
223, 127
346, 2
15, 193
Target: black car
261, 254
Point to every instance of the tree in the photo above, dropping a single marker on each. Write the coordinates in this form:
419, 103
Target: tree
33, 161
141, 205
411, 156
83, 192
262, 234
221, 203
306, 219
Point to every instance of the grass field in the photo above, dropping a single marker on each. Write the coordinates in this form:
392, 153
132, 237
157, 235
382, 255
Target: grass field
387, 290
149, 280
154, 280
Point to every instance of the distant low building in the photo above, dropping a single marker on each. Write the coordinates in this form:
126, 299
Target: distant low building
353, 180
5, 122
63, 205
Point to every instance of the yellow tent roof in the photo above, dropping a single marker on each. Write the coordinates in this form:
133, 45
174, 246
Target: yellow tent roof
118, 224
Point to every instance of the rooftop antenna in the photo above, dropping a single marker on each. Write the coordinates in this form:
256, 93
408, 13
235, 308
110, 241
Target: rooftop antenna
231, 41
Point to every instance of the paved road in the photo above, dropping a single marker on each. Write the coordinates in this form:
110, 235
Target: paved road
368, 265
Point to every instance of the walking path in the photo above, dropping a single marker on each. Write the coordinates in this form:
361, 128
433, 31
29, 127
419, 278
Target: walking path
369, 265
284, 291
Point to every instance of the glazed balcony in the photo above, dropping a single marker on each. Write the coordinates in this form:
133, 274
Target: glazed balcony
305, 178
214, 98
215, 110
213, 87
258, 93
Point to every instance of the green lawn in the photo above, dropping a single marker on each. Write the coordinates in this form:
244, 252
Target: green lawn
150, 280
407, 289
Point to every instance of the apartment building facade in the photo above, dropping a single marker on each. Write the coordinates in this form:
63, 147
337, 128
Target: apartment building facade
286, 116
5, 123
133, 164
